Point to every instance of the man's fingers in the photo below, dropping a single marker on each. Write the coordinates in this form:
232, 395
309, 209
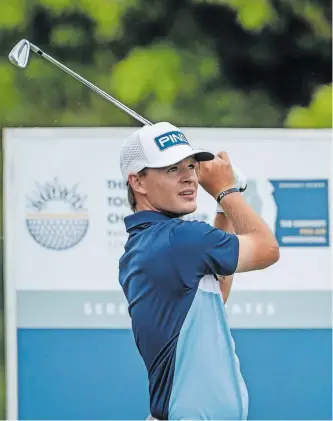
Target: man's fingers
224, 156
204, 166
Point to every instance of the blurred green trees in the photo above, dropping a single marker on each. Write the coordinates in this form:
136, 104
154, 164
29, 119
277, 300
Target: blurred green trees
215, 63
237, 63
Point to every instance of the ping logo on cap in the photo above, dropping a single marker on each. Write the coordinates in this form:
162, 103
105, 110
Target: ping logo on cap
169, 139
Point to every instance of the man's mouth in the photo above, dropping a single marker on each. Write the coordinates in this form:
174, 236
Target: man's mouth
188, 193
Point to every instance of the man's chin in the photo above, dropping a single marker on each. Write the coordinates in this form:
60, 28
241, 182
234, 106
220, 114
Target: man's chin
181, 211
190, 209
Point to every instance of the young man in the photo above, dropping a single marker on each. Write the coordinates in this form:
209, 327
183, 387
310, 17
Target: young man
168, 273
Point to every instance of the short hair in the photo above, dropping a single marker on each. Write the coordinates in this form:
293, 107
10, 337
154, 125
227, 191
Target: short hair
131, 195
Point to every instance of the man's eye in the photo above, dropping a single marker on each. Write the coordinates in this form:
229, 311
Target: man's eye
192, 166
172, 169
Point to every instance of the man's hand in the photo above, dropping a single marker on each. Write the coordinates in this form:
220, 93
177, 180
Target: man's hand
217, 175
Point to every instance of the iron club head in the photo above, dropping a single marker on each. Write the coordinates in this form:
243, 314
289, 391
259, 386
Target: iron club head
19, 55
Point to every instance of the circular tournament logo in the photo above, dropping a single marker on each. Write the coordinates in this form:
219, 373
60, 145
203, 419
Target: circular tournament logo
57, 218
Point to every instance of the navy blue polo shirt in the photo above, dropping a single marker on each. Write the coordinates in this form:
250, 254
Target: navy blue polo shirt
168, 274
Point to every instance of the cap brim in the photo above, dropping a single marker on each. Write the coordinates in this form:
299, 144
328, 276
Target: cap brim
198, 155
203, 156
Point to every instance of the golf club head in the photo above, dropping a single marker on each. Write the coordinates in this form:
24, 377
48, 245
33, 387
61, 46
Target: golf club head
19, 55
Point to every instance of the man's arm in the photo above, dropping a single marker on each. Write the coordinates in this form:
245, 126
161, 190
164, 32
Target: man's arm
223, 223
258, 248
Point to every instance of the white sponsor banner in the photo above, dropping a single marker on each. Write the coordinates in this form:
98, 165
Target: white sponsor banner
65, 203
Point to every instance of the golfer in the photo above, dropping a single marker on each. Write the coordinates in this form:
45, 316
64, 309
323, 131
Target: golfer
169, 273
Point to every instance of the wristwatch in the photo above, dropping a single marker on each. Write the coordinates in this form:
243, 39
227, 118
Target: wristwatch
225, 193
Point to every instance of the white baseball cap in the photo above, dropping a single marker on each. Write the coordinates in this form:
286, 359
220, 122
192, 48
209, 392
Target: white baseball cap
157, 146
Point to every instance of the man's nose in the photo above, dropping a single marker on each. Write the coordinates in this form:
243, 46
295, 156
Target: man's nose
189, 176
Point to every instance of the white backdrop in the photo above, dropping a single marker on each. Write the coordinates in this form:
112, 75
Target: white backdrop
42, 167
64, 203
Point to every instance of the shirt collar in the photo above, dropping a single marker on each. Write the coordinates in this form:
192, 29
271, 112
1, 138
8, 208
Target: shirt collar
144, 217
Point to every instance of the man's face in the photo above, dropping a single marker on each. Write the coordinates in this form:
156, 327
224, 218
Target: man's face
172, 189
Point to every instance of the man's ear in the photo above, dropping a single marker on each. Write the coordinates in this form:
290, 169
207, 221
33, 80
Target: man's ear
137, 183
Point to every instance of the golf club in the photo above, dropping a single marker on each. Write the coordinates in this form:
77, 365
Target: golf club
19, 56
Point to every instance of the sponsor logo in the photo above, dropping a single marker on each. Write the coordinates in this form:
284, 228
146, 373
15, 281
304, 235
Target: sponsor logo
56, 217
167, 140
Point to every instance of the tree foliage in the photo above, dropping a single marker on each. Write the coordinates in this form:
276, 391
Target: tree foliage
237, 63
317, 115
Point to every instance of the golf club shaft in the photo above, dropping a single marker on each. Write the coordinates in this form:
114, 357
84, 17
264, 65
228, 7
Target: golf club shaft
90, 85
